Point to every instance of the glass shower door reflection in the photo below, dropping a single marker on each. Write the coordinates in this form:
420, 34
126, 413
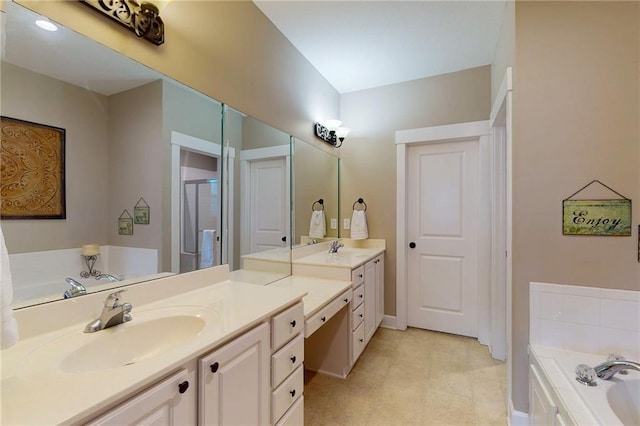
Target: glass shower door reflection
200, 238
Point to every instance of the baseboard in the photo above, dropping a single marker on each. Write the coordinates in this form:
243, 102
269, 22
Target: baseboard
516, 418
389, 321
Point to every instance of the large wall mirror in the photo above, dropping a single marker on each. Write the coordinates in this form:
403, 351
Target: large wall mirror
133, 137
317, 195
258, 162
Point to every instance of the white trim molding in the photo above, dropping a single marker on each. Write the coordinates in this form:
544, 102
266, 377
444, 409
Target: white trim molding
426, 135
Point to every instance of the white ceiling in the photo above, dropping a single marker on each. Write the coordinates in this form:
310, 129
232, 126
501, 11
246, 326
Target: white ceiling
360, 44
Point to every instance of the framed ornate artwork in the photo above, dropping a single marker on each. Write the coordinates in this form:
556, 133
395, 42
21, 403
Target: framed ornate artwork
32, 181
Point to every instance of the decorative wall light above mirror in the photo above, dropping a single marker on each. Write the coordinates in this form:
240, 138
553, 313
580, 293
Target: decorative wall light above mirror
332, 132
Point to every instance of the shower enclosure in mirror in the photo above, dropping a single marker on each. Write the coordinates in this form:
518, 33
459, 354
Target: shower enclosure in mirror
200, 226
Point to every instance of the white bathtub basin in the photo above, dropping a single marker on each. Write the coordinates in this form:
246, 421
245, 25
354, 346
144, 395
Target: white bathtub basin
624, 399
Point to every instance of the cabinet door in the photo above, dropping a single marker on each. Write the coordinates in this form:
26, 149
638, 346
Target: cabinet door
369, 300
379, 263
234, 386
170, 402
542, 410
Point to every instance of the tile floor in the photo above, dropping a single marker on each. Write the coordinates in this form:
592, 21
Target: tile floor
412, 377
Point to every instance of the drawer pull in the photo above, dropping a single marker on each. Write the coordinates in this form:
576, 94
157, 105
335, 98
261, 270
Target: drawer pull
361, 315
182, 387
293, 393
362, 296
323, 319
346, 300
293, 359
360, 275
361, 340
214, 367
293, 323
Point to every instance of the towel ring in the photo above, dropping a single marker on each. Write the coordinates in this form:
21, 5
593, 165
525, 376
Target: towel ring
321, 202
360, 201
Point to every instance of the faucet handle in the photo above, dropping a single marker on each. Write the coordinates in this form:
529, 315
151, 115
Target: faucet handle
113, 300
586, 375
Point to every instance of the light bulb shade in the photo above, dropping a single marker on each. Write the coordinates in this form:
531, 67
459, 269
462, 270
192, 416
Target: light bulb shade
46, 25
332, 125
342, 132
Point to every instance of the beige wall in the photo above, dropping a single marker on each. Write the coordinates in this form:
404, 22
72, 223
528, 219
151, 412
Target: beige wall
225, 49
84, 116
368, 155
576, 111
135, 157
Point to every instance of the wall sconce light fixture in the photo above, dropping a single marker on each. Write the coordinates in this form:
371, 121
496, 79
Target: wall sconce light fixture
143, 19
331, 132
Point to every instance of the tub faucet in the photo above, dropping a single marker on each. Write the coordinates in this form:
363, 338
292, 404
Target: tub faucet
76, 289
335, 245
608, 369
110, 277
113, 313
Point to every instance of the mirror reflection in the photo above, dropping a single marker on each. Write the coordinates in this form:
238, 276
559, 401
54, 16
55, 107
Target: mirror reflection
258, 163
133, 138
316, 184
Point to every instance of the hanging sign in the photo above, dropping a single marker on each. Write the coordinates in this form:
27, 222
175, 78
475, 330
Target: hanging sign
125, 223
141, 212
596, 217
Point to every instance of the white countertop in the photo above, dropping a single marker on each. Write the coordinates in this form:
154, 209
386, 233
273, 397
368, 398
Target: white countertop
346, 257
35, 390
319, 292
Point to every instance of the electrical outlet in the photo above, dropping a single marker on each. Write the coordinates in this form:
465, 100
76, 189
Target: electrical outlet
347, 224
334, 223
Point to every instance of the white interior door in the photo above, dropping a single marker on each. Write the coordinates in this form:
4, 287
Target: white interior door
268, 207
442, 231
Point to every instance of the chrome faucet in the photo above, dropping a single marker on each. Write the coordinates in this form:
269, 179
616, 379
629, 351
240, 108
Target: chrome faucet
335, 245
113, 313
110, 277
76, 289
608, 369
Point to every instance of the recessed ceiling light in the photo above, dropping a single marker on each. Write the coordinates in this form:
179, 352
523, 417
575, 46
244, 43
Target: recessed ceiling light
46, 25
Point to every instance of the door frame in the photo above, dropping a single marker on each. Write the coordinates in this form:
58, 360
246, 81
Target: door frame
441, 134
180, 141
258, 154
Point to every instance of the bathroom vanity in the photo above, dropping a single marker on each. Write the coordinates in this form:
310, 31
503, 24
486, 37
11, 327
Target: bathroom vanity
183, 359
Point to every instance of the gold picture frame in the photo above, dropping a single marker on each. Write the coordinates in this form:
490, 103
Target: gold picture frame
32, 182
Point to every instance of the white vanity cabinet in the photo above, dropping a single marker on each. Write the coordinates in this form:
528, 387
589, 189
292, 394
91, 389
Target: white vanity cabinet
545, 408
233, 381
170, 402
373, 296
287, 371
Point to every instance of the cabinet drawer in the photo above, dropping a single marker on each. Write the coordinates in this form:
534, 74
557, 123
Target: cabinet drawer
357, 276
295, 415
357, 316
358, 297
286, 325
357, 342
286, 394
286, 360
318, 320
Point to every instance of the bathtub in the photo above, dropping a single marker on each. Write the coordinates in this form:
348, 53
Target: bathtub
611, 402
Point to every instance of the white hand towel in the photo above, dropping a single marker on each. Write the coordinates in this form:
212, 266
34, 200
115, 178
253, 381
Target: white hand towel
207, 248
8, 324
359, 229
318, 226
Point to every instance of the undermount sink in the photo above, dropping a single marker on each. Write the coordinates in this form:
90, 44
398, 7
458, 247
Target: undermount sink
624, 400
149, 334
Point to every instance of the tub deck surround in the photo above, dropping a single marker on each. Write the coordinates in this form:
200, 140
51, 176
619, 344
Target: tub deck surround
585, 405
41, 393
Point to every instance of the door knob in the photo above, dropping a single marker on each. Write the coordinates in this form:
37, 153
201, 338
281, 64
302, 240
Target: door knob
284, 239
412, 245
